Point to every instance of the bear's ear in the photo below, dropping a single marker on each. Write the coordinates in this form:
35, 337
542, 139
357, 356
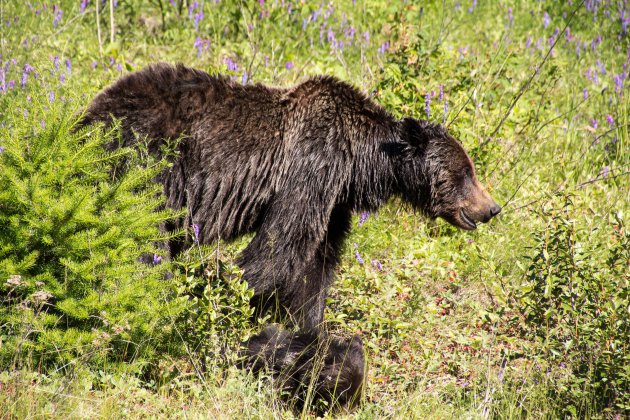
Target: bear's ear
413, 132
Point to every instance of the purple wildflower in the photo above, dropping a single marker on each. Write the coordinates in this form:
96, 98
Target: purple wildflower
330, 36
363, 217
27, 69
377, 264
62, 78
289, 65
546, 20
199, 43
1, 149
585, 94
56, 62
528, 43
472, 7
195, 227
384, 47
441, 92
58, 13
244, 78
304, 23
231, 65
68, 66
51, 96
357, 255
94, 64
618, 83
510, 15
157, 259
427, 105
192, 8
594, 123
84, 4
119, 68
198, 19
610, 120
605, 171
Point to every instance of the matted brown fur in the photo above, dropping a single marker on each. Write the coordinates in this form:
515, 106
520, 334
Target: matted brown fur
291, 165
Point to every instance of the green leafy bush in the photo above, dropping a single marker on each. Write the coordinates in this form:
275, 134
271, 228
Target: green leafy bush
576, 308
218, 316
75, 220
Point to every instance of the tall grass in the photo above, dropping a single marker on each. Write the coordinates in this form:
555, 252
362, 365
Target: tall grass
525, 317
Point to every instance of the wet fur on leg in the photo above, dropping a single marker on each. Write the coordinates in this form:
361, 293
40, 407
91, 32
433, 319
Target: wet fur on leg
332, 368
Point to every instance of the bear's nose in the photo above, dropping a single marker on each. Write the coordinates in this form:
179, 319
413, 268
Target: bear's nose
494, 210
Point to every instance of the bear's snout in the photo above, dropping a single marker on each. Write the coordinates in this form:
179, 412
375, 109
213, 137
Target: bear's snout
492, 211
480, 207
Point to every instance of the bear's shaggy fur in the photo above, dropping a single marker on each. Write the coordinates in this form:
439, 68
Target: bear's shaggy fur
332, 367
291, 165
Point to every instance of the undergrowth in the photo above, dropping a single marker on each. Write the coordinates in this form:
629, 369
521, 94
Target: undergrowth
525, 317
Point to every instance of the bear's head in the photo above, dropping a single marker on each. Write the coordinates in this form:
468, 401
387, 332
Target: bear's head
437, 176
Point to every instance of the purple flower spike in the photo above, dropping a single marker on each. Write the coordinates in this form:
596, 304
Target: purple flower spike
594, 123
27, 69
84, 4
610, 119
195, 227
618, 83
363, 218
198, 19
357, 255
58, 13
546, 20
585, 93
157, 259
289, 65
51, 97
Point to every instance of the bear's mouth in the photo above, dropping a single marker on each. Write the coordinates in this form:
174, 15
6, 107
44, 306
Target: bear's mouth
468, 222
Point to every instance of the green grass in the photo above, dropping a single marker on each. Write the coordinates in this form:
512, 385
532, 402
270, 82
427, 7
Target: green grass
456, 324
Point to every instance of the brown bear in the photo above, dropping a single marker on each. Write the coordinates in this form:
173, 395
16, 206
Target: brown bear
292, 165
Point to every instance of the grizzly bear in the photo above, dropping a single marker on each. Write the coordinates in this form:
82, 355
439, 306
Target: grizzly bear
292, 165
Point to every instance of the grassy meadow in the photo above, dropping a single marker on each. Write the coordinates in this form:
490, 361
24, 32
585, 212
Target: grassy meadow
526, 317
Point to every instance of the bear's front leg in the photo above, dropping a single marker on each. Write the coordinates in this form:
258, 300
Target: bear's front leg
291, 265
319, 272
